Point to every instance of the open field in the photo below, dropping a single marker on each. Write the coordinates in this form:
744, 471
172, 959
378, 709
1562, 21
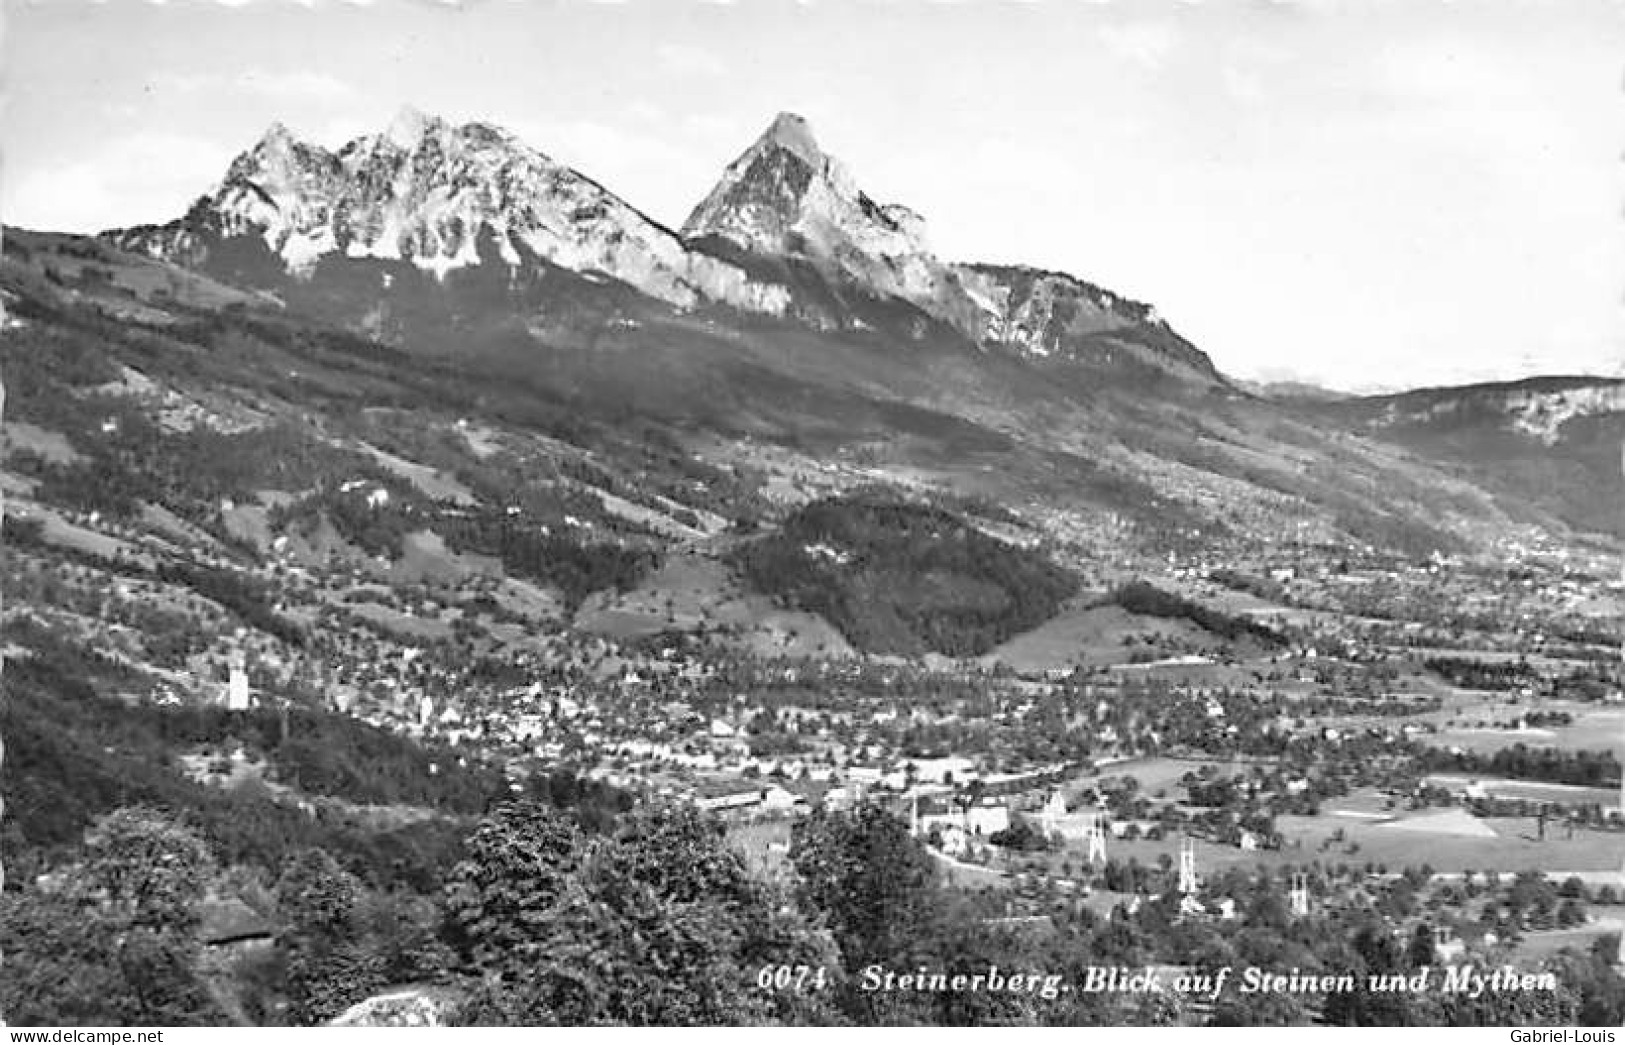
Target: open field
1605, 919
1083, 636
528, 599
47, 445
166, 522
1370, 829
1450, 843
1593, 729
425, 557
1509, 846
433, 484
1529, 790
690, 592
406, 624
59, 531
1153, 773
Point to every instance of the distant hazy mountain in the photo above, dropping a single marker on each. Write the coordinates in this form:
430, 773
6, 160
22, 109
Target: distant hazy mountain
1537, 409
1549, 443
1295, 391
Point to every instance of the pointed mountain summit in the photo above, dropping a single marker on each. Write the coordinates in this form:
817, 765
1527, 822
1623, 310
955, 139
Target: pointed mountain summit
443, 197
764, 193
787, 232
792, 132
785, 197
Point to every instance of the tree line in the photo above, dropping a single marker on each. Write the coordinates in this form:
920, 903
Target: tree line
898, 577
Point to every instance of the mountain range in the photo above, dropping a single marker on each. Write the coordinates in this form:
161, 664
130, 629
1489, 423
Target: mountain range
786, 233
539, 373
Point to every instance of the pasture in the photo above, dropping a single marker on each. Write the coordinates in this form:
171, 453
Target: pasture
1091, 636
692, 592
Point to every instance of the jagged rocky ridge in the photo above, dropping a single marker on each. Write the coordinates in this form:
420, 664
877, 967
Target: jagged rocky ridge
787, 232
425, 191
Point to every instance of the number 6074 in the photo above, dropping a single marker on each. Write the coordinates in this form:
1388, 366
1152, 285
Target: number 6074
792, 978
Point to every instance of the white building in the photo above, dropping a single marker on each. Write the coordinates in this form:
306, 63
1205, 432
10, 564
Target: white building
237, 688
778, 800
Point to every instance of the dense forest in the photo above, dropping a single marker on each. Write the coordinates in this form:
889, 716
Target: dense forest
1480, 674
245, 597
73, 755
577, 568
897, 577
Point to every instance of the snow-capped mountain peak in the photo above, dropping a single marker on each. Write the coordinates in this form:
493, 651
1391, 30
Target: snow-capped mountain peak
430, 192
444, 197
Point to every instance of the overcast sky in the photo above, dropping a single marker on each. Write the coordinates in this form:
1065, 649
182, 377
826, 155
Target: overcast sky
1360, 194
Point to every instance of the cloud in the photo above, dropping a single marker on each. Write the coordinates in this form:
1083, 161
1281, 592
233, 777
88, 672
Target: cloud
1440, 70
1248, 69
282, 86
340, 130
1146, 44
592, 145
181, 83
662, 170
293, 86
1012, 160
689, 61
131, 179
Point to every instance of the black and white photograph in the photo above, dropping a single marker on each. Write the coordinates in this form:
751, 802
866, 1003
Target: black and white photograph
860, 513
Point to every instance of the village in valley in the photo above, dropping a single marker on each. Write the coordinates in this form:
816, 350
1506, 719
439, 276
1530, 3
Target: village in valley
1374, 729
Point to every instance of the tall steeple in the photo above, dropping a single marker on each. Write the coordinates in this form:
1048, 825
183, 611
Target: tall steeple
1187, 867
1298, 897
1096, 837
